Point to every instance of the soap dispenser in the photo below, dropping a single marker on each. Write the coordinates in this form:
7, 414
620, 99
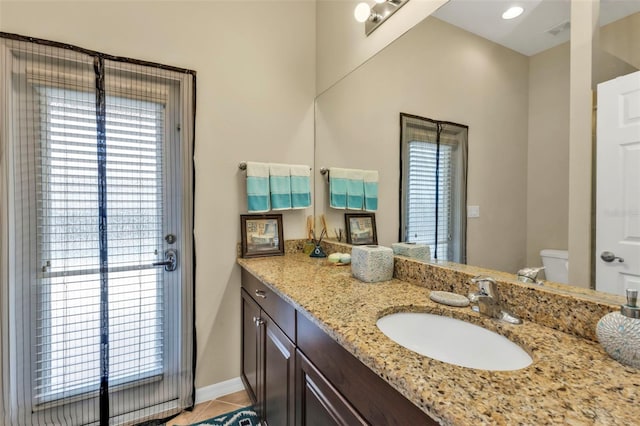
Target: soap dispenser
619, 332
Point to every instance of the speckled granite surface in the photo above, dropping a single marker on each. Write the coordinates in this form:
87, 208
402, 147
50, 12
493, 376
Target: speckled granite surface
571, 380
558, 306
570, 309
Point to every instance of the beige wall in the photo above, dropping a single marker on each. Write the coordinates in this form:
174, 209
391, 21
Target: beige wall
342, 44
548, 153
440, 72
622, 39
255, 89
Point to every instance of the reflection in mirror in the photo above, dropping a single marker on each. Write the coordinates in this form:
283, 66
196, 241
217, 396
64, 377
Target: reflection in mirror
434, 186
516, 106
617, 136
437, 70
616, 45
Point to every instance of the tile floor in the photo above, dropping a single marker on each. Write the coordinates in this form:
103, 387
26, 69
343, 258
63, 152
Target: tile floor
206, 410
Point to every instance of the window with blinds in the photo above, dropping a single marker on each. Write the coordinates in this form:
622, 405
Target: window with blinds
96, 192
434, 186
68, 337
421, 196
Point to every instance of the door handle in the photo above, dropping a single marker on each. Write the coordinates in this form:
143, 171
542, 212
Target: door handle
261, 293
170, 261
608, 257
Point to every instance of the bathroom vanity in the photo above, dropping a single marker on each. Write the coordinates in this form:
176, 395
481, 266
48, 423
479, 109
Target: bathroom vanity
296, 374
312, 354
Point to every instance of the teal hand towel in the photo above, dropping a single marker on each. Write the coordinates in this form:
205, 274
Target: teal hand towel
370, 178
355, 190
300, 186
280, 185
338, 188
257, 187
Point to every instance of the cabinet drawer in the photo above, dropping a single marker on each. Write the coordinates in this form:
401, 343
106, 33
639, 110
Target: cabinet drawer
282, 313
318, 402
369, 394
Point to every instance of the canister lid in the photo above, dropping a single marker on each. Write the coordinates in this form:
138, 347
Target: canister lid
631, 309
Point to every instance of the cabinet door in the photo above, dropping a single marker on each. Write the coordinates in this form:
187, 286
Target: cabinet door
279, 370
250, 347
318, 403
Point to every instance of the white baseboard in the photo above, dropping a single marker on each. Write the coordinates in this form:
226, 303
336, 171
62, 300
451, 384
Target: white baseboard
217, 390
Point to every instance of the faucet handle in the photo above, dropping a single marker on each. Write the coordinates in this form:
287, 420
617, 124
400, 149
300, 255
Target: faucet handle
529, 275
487, 286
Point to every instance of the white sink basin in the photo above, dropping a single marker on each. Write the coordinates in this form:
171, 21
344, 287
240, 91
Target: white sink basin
453, 341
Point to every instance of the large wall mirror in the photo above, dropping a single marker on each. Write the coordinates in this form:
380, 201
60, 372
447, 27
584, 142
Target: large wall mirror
509, 84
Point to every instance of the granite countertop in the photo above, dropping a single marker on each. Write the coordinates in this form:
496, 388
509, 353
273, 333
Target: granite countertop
571, 380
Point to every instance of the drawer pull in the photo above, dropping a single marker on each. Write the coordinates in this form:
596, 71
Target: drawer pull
261, 293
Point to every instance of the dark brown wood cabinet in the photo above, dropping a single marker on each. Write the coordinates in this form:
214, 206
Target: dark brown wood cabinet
251, 339
268, 365
296, 374
318, 403
279, 377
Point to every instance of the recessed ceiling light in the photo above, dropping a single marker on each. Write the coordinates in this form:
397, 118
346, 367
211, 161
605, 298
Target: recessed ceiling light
512, 12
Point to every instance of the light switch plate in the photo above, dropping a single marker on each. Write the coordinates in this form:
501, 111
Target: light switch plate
473, 211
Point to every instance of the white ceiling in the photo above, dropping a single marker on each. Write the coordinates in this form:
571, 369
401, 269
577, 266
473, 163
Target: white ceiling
527, 33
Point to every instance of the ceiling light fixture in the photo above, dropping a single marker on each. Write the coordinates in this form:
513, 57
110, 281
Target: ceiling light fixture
362, 12
512, 12
374, 16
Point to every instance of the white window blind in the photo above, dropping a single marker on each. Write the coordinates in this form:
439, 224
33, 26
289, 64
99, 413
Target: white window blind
434, 186
68, 334
422, 226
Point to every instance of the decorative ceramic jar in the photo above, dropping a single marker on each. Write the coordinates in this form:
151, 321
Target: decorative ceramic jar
372, 264
619, 332
412, 250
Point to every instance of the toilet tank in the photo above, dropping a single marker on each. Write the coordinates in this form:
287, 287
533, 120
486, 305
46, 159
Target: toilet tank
556, 265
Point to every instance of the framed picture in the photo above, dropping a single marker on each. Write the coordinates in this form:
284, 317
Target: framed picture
261, 235
361, 228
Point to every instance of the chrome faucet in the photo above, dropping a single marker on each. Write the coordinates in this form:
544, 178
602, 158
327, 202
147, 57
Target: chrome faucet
487, 300
530, 275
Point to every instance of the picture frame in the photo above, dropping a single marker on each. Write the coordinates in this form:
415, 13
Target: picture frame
361, 228
261, 235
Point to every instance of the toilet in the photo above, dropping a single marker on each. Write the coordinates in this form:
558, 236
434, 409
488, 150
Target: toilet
556, 265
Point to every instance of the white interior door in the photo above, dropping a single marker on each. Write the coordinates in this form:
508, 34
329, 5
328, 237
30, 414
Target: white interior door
618, 185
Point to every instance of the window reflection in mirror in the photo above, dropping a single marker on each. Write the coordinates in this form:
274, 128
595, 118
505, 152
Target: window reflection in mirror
434, 186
